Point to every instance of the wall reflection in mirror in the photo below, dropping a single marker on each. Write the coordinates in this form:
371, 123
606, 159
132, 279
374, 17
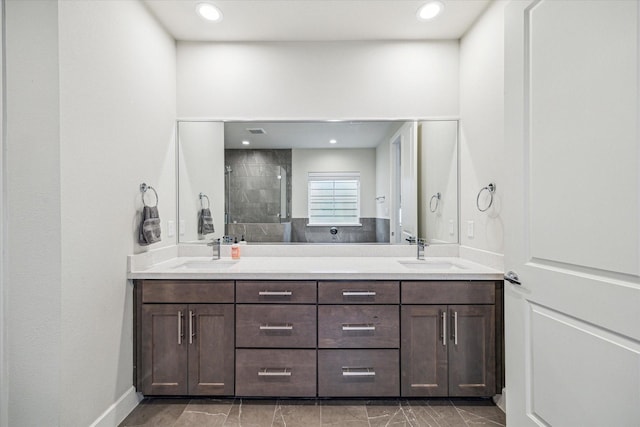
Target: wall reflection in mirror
261, 178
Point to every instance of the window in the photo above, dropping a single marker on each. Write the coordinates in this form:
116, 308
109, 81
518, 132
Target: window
334, 198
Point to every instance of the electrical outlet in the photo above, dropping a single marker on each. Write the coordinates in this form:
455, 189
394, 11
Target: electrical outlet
470, 229
451, 228
171, 228
183, 227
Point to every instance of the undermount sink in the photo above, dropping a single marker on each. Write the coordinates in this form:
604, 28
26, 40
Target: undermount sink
214, 264
431, 265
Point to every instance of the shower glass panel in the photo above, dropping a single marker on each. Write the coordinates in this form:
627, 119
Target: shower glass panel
256, 187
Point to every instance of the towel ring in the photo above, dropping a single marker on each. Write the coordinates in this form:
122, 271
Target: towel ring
143, 188
204, 196
491, 188
435, 197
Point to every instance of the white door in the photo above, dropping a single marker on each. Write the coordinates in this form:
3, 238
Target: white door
572, 327
404, 172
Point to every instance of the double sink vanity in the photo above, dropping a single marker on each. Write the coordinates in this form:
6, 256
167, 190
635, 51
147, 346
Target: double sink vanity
366, 321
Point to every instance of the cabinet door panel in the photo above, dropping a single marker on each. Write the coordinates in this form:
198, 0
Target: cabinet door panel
472, 358
164, 349
209, 333
424, 350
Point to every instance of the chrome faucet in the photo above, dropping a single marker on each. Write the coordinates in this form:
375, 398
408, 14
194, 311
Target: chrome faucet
215, 244
421, 244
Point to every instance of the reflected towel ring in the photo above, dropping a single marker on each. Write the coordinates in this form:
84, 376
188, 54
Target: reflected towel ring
437, 197
491, 188
143, 188
204, 196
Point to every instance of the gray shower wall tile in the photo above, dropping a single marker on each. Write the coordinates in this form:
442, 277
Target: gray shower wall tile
261, 233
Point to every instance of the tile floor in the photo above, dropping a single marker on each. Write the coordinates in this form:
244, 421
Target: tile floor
307, 413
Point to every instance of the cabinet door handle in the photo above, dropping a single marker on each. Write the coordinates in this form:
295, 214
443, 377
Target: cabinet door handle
358, 293
358, 327
358, 372
275, 293
192, 333
276, 327
455, 327
274, 372
180, 333
443, 317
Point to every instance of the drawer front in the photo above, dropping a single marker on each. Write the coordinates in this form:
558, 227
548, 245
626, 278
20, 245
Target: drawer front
276, 373
275, 292
359, 292
358, 326
346, 373
448, 292
276, 325
187, 291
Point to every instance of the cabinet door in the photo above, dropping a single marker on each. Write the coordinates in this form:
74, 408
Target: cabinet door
164, 349
424, 350
210, 329
472, 360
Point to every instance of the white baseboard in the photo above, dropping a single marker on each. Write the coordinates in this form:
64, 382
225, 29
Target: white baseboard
119, 410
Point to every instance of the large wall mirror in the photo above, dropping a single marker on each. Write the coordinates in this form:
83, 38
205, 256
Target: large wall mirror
318, 181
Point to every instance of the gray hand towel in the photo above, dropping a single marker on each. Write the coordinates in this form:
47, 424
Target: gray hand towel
205, 222
150, 226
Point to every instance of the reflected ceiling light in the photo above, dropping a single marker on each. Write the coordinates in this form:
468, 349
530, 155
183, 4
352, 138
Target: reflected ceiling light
332, 141
430, 10
209, 12
245, 143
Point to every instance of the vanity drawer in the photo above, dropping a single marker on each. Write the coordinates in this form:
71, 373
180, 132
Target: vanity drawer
448, 292
359, 292
276, 325
275, 291
358, 373
271, 373
186, 291
358, 326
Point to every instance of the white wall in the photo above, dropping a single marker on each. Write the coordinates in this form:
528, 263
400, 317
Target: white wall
117, 93
438, 173
482, 127
201, 169
333, 160
318, 80
32, 274
91, 111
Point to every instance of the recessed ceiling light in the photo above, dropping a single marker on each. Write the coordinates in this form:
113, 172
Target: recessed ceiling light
332, 141
430, 10
209, 12
245, 143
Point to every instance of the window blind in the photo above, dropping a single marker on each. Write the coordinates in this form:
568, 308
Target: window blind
334, 198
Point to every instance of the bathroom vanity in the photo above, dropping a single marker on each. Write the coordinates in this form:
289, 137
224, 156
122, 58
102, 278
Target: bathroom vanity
296, 329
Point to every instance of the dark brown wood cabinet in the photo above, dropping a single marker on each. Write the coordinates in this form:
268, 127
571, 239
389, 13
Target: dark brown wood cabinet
184, 349
279, 338
449, 350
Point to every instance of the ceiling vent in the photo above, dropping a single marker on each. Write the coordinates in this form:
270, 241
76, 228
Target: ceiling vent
256, 131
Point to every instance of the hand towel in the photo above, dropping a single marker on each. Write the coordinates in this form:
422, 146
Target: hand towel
149, 226
205, 222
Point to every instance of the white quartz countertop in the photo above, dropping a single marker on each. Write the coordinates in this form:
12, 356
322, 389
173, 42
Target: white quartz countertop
315, 267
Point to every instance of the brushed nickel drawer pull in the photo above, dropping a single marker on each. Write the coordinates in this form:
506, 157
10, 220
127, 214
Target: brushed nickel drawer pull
455, 327
358, 293
443, 316
358, 372
274, 372
277, 327
275, 293
358, 327
191, 331
180, 332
